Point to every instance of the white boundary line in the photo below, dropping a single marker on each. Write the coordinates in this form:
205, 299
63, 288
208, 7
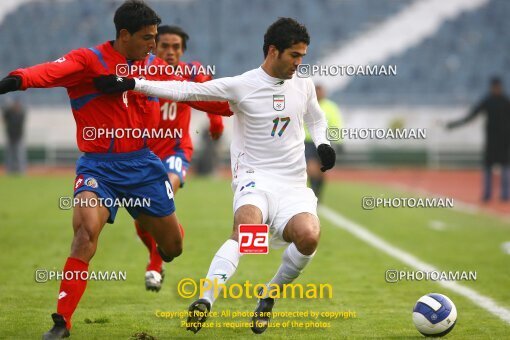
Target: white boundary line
375, 241
459, 205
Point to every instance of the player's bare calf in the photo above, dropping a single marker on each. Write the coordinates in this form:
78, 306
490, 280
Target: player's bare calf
167, 233
88, 221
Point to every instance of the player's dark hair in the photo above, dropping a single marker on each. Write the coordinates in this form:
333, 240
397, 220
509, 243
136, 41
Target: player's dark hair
165, 29
133, 15
284, 33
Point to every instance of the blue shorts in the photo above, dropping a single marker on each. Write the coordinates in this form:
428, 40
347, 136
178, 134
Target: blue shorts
177, 164
137, 176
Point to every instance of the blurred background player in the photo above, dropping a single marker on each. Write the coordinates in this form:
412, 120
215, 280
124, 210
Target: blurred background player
496, 107
208, 158
176, 153
14, 114
111, 167
313, 165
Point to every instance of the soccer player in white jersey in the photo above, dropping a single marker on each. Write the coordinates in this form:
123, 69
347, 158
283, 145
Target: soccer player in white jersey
270, 104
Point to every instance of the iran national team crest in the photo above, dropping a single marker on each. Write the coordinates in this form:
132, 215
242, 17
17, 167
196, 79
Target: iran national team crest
278, 102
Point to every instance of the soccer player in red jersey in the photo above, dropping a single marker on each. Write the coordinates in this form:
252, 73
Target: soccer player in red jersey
115, 165
176, 153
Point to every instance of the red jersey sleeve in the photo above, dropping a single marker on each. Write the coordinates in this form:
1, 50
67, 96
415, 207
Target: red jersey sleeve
66, 71
212, 108
216, 123
199, 76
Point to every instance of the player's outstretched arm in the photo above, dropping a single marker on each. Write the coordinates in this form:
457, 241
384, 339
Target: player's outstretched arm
214, 90
66, 71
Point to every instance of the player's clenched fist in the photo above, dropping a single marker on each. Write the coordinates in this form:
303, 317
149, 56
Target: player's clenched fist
10, 83
327, 155
113, 84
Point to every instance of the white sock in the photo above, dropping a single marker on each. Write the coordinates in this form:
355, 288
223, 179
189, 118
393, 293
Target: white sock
293, 263
223, 266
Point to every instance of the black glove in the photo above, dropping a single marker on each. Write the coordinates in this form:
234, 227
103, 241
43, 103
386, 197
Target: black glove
113, 84
327, 155
10, 83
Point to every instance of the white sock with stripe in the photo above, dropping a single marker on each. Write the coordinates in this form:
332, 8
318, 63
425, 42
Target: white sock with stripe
223, 266
293, 263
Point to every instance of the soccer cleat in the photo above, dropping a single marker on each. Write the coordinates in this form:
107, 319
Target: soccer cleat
262, 314
198, 314
153, 280
59, 330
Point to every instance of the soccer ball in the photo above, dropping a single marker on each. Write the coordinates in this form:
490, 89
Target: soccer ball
434, 315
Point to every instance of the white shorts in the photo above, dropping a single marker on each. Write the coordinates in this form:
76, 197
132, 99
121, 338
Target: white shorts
277, 203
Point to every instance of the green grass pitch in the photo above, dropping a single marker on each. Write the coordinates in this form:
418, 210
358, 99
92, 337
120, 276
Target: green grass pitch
35, 234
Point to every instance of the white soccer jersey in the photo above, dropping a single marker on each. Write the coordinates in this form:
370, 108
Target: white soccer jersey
268, 136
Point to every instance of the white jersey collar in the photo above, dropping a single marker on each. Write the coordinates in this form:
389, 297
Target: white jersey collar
266, 77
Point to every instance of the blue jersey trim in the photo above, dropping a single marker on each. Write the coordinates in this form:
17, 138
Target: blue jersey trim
78, 103
193, 75
177, 148
151, 59
112, 144
99, 56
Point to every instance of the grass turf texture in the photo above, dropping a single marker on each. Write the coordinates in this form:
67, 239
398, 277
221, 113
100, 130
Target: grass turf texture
35, 234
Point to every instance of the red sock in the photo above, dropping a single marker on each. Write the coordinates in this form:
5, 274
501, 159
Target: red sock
144, 236
182, 230
71, 290
155, 261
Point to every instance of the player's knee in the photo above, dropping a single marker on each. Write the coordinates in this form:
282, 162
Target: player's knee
247, 214
308, 241
168, 253
177, 250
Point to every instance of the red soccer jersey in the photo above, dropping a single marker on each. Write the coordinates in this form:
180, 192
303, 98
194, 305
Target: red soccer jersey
91, 109
176, 116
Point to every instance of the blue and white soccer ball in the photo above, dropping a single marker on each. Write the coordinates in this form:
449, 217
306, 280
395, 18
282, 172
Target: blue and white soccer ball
434, 315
